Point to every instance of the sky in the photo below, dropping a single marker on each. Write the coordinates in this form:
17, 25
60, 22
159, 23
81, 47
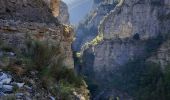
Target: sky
69, 2
78, 9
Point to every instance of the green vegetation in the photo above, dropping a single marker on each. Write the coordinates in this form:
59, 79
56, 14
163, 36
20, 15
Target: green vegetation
167, 81
6, 48
97, 40
9, 97
93, 86
94, 42
47, 59
144, 81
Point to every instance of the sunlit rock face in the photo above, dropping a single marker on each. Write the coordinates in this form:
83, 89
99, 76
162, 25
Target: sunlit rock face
55, 5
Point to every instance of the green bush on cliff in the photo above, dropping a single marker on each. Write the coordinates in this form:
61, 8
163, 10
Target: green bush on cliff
48, 60
6, 48
42, 53
167, 81
144, 81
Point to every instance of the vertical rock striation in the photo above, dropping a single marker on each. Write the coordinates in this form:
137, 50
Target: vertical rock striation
133, 31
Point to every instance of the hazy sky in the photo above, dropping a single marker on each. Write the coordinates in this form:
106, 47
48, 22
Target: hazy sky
69, 2
78, 9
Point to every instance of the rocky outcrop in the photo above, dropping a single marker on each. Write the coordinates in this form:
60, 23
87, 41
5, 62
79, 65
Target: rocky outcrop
132, 31
35, 50
15, 34
32, 17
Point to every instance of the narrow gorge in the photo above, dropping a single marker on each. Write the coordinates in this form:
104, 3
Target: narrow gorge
84, 49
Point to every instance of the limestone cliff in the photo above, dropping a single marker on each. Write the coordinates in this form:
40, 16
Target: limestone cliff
133, 32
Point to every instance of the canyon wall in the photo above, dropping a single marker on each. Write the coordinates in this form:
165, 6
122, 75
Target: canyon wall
134, 32
35, 52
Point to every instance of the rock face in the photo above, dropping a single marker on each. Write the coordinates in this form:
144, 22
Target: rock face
162, 56
63, 13
133, 30
24, 17
15, 34
131, 24
88, 29
32, 17
27, 26
27, 10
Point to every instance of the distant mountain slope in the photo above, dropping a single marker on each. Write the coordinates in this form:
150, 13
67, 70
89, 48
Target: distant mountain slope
78, 9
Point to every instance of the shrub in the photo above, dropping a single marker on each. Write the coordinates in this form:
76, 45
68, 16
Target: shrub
6, 48
42, 53
141, 80
167, 81
48, 60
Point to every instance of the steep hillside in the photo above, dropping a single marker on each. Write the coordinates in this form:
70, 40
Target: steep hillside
78, 9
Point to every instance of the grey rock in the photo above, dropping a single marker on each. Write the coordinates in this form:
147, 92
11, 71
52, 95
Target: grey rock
5, 78
19, 85
12, 54
52, 98
27, 87
7, 88
2, 94
19, 95
6, 81
28, 98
